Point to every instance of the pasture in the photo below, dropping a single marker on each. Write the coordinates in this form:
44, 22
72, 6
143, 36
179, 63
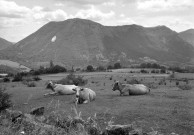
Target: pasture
166, 109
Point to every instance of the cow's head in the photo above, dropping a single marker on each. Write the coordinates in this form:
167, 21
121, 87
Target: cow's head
116, 86
78, 91
49, 85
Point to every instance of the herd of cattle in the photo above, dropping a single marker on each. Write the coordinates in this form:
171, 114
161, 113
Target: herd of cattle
86, 95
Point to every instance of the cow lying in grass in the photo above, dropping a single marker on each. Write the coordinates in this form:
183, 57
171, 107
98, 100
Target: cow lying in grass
59, 89
131, 89
84, 95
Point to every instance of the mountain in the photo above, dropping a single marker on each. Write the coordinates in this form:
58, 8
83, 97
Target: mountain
4, 43
83, 42
188, 36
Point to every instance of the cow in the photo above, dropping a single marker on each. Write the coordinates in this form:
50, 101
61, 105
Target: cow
84, 95
59, 89
131, 89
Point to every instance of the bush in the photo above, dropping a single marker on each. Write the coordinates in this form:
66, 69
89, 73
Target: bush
185, 87
133, 81
110, 67
6, 79
172, 76
55, 69
36, 78
162, 71
100, 68
31, 84
73, 79
5, 101
143, 71
117, 66
18, 77
90, 68
153, 71
177, 83
50, 70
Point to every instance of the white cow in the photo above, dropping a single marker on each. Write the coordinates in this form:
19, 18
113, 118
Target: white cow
84, 95
60, 89
131, 89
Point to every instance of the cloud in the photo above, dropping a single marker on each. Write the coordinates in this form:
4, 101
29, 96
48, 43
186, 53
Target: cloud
94, 14
56, 15
59, 4
162, 5
125, 21
12, 14
110, 4
175, 23
11, 10
83, 2
11, 22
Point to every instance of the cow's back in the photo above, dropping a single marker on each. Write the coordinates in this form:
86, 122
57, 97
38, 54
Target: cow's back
65, 89
87, 94
138, 89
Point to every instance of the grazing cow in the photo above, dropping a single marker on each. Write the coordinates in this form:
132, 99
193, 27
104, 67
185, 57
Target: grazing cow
84, 95
131, 89
60, 89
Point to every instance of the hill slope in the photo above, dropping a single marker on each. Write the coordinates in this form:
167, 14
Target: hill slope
188, 36
79, 41
4, 43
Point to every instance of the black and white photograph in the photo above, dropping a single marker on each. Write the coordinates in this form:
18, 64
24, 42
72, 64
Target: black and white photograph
96, 67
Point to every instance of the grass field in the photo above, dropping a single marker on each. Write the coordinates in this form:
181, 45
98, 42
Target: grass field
166, 109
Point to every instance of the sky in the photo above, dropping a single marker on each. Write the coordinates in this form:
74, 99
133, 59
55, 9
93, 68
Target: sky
20, 18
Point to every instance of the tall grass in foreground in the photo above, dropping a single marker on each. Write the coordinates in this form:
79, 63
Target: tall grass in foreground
59, 122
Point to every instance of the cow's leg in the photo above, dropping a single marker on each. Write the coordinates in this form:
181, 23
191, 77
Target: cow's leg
52, 93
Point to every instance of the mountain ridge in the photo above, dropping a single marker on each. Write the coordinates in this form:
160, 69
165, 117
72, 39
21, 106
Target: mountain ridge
81, 42
4, 43
188, 35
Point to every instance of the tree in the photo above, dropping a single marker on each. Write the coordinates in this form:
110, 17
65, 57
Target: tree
90, 68
51, 64
162, 71
110, 67
100, 68
117, 65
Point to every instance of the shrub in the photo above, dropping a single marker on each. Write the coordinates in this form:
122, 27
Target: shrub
143, 71
100, 68
110, 67
27, 79
5, 101
36, 78
153, 71
117, 66
133, 81
162, 71
51, 70
90, 68
6, 79
18, 77
31, 84
73, 79
185, 87
177, 83
171, 76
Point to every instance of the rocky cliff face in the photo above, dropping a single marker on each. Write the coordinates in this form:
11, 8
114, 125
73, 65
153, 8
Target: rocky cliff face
82, 42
